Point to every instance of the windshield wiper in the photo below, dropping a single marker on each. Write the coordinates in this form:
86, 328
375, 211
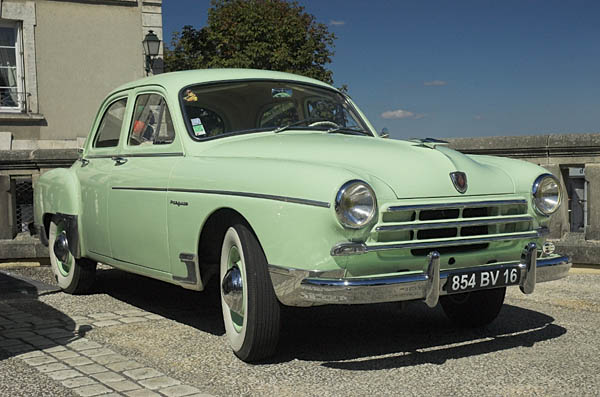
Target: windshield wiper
295, 123
346, 130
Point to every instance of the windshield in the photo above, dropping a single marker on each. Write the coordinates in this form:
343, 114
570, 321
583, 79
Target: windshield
253, 106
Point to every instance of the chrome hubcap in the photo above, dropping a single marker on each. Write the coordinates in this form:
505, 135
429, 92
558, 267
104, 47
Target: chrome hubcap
61, 247
233, 290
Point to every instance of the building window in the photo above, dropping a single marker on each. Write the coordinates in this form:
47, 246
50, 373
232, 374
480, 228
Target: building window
12, 96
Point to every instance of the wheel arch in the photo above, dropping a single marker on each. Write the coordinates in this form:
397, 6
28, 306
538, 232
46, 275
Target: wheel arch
211, 238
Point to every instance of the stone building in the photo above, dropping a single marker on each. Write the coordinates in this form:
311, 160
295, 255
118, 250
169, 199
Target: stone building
58, 60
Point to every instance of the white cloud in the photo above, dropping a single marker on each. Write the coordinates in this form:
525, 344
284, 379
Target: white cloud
477, 117
333, 22
435, 83
401, 114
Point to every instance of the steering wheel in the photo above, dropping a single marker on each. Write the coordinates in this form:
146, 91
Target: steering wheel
324, 122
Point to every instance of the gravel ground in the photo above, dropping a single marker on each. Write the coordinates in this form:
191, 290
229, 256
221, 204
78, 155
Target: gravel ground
541, 344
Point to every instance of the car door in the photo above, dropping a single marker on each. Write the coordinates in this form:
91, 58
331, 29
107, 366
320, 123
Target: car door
139, 182
93, 171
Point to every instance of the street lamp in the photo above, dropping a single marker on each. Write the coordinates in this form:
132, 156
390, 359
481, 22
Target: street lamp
151, 48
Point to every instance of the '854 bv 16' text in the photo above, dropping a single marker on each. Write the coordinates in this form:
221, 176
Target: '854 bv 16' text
278, 186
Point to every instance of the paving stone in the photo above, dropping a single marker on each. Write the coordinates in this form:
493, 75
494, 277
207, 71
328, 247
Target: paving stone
103, 316
154, 317
78, 361
106, 323
78, 382
124, 366
97, 352
51, 367
92, 369
35, 353
159, 382
179, 391
19, 334
109, 359
55, 349
51, 330
92, 390
142, 393
128, 320
40, 341
60, 334
66, 354
66, 374
83, 344
143, 373
108, 376
45, 359
21, 348
132, 312
124, 385
10, 342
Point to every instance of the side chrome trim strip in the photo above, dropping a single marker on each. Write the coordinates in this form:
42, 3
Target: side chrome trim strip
147, 189
256, 195
285, 199
437, 225
106, 156
488, 203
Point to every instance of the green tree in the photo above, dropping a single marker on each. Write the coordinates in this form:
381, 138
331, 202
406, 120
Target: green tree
260, 34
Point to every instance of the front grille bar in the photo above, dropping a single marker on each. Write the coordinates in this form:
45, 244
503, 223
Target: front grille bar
352, 248
451, 224
472, 204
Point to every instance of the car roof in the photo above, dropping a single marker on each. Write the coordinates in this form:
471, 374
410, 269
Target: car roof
178, 80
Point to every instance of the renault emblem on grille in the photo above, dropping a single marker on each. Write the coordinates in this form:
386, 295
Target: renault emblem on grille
459, 179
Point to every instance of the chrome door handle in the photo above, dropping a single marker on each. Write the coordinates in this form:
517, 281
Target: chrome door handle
119, 160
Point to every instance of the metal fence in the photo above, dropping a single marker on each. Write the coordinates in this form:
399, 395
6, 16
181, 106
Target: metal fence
23, 193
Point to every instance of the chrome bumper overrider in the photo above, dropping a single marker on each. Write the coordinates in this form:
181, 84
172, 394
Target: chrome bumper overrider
295, 287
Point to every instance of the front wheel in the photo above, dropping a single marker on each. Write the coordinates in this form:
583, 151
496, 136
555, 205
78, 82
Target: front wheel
474, 309
74, 276
250, 308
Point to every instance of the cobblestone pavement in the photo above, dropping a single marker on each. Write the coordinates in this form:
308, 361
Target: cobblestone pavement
139, 337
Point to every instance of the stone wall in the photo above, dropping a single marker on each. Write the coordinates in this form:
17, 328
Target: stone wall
560, 154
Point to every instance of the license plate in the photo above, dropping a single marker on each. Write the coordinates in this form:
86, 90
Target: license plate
481, 279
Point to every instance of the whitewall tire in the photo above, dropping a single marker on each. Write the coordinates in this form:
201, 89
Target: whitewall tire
251, 312
74, 276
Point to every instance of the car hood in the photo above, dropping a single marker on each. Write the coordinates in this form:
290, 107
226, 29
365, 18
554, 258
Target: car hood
411, 169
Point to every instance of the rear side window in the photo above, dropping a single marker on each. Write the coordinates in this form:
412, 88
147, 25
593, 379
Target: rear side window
110, 126
152, 122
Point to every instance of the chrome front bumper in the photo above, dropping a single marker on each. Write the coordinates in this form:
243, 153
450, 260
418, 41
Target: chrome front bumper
295, 287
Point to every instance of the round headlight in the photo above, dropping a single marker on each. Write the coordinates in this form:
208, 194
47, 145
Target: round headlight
547, 194
355, 204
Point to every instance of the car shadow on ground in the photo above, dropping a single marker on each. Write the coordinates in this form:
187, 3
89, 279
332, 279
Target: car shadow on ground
345, 337
27, 324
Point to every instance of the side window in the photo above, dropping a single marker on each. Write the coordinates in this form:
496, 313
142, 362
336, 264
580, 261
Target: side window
110, 126
152, 124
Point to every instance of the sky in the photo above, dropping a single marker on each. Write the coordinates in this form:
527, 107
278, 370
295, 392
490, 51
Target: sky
458, 68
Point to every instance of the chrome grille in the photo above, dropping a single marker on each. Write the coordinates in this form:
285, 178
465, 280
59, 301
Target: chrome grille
453, 225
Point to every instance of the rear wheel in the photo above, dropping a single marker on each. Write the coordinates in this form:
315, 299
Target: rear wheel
474, 309
251, 311
74, 276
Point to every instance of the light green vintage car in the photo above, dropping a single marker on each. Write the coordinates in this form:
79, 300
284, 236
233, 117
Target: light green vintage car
278, 185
